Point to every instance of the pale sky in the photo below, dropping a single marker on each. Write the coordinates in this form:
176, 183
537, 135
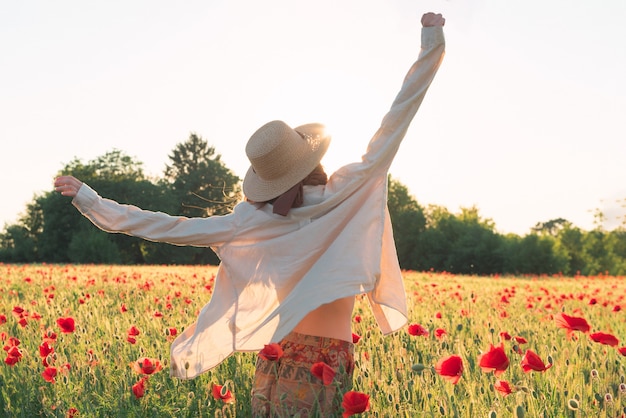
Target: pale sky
526, 118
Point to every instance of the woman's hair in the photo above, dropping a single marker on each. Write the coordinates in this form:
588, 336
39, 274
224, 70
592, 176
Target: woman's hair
316, 177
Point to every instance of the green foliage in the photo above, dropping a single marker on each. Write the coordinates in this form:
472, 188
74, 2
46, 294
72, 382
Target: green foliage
17, 245
408, 222
202, 183
570, 241
535, 254
90, 245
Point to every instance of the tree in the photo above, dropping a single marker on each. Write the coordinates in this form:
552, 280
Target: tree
202, 183
535, 254
551, 227
570, 242
436, 241
597, 252
477, 251
408, 223
17, 245
473, 243
89, 245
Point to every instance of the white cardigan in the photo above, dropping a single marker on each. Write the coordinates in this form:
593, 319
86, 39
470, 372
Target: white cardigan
275, 269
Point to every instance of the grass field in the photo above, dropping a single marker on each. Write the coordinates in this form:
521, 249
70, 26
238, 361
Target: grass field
76, 339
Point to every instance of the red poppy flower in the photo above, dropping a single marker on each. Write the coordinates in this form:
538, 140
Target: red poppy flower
45, 349
18, 312
617, 308
13, 342
494, 360
417, 330
49, 374
355, 338
531, 361
323, 372
271, 352
139, 388
505, 336
13, 356
3, 319
133, 331
131, 339
222, 393
622, 350
450, 368
520, 340
123, 308
503, 387
66, 324
171, 331
604, 338
571, 323
357, 318
49, 336
355, 403
440, 332
14, 351
146, 365
72, 412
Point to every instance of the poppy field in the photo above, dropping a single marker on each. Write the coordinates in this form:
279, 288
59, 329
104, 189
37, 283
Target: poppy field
93, 341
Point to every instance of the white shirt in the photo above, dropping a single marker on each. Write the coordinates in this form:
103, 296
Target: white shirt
276, 269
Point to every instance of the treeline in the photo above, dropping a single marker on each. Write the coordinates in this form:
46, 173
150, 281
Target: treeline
195, 182
432, 238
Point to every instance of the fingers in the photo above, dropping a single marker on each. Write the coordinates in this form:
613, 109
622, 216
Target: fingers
67, 185
433, 19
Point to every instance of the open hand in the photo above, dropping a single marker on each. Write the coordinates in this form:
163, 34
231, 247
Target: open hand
67, 185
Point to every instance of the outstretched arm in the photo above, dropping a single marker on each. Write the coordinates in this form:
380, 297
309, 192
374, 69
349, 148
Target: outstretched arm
111, 216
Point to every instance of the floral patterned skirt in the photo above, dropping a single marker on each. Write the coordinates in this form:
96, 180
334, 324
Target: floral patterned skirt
286, 387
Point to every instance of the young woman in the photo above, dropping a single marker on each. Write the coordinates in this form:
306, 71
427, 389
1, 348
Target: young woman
293, 255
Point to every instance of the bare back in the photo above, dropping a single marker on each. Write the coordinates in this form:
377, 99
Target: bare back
332, 320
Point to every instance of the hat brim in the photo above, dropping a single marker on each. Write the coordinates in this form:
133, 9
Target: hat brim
259, 190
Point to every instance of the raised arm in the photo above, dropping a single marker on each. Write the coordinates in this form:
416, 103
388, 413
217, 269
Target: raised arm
384, 144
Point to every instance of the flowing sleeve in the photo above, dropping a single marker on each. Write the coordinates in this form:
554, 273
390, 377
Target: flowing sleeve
111, 216
387, 298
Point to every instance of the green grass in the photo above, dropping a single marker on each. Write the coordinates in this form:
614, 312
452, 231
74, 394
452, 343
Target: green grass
396, 371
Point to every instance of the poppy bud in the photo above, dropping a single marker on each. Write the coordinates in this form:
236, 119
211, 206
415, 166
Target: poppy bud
573, 404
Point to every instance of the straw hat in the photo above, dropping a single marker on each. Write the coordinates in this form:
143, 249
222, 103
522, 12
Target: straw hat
280, 157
